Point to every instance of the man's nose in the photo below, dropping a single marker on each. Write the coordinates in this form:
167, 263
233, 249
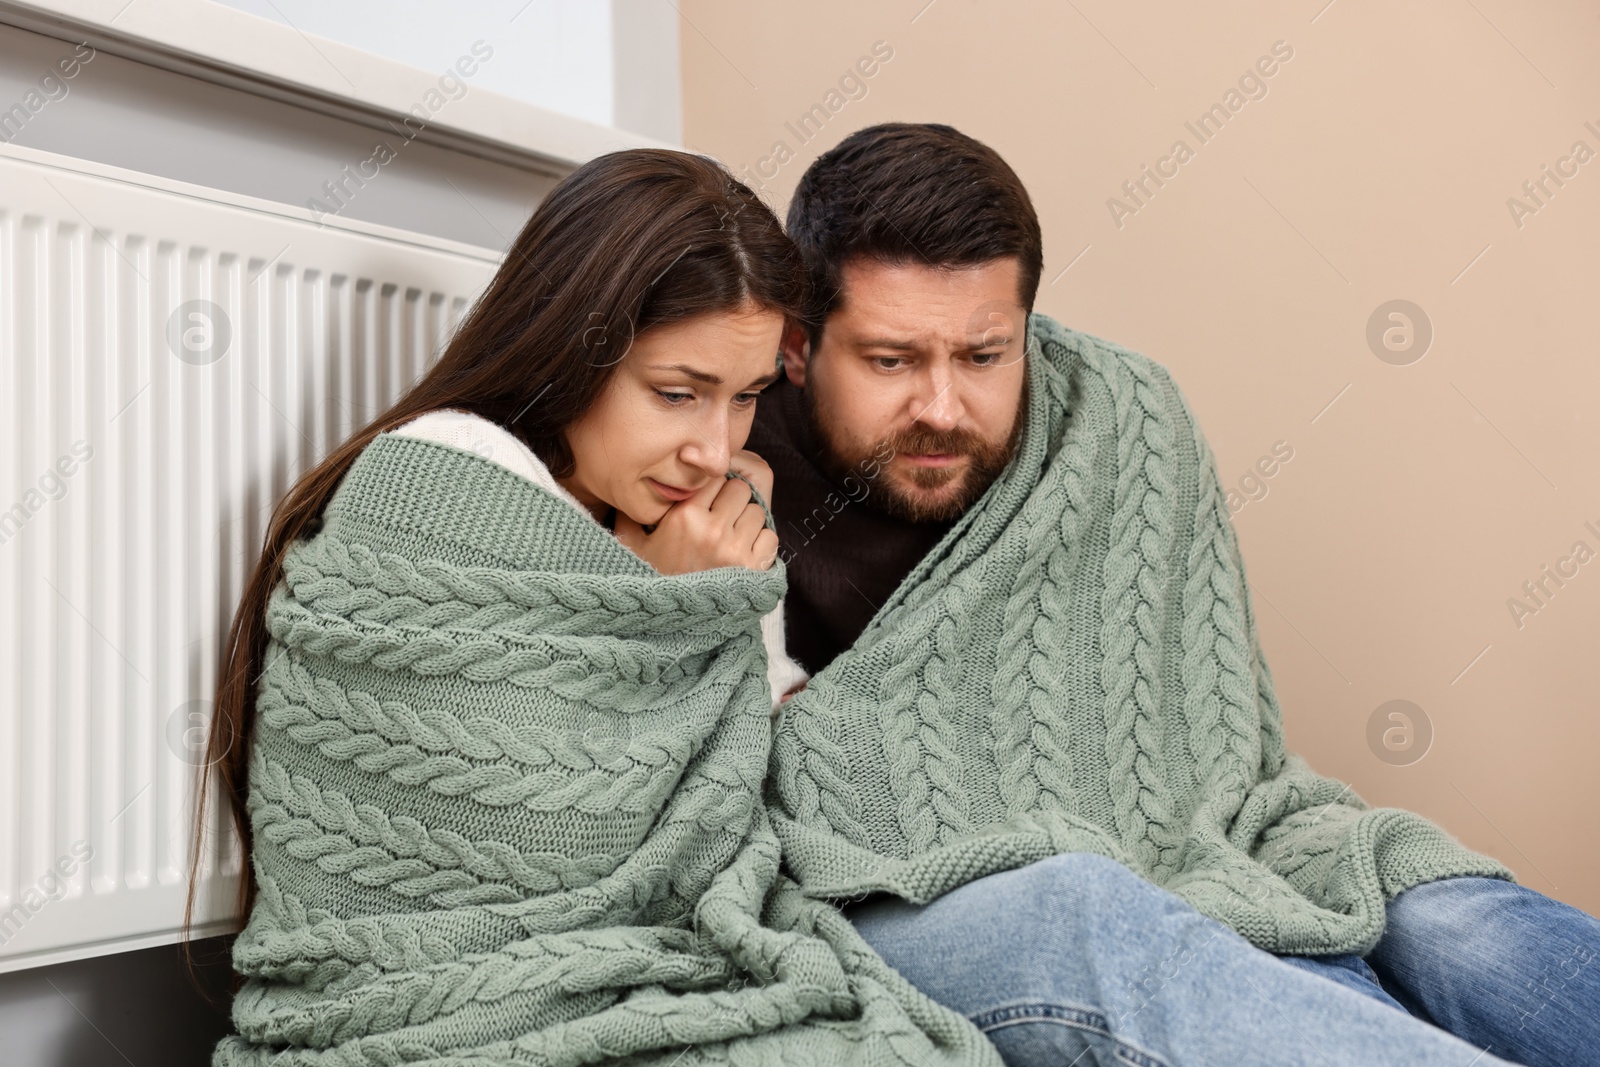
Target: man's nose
938, 402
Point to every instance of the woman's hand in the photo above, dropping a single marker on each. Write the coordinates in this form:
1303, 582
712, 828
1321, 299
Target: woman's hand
720, 526
755, 468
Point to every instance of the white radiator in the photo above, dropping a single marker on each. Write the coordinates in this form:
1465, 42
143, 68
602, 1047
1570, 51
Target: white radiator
171, 357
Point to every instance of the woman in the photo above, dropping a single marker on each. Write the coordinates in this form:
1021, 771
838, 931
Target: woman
494, 716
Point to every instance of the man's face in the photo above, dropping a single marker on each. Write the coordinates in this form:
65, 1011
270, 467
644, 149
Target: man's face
924, 365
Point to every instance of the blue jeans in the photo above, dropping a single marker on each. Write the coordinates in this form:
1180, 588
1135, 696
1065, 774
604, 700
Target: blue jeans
1494, 963
1077, 960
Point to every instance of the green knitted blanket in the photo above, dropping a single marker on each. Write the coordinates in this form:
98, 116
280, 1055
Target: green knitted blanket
505, 794
1075, 667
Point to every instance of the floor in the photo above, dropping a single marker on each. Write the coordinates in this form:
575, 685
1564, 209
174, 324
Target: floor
129, 1009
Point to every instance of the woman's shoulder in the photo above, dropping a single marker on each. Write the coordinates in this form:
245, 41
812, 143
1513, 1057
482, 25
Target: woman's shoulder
474, 433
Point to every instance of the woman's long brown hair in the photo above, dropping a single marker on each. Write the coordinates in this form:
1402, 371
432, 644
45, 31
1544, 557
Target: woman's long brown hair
627, 242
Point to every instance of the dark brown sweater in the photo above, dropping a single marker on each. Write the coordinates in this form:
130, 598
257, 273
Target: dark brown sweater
844, 557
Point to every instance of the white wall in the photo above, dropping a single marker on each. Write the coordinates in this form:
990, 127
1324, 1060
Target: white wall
613, 62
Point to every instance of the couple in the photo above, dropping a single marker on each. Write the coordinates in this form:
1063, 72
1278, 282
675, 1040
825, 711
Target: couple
931, 729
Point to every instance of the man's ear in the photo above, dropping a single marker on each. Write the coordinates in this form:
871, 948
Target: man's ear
796, 353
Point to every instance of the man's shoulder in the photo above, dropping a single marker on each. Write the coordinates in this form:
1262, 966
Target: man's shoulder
1063, 346
770, 424
1121, 371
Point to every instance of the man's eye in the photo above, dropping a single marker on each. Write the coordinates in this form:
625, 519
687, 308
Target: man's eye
987, 359
673, 398
887, 362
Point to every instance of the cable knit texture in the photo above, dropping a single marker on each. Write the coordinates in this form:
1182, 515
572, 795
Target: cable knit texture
492, 441
1075, 667
505, 793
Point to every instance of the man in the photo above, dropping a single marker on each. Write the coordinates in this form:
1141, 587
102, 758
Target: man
1039, 730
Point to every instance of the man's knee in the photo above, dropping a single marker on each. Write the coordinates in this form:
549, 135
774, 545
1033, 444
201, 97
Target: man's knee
1452, 908
1089, 868
1464, 917
1084, 882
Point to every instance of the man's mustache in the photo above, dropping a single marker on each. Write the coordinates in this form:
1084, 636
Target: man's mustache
921, 440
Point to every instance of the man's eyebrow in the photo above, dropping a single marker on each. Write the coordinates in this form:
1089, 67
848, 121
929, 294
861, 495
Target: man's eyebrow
913, 346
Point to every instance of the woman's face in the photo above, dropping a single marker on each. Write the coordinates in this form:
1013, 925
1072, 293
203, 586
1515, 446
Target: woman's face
679, 404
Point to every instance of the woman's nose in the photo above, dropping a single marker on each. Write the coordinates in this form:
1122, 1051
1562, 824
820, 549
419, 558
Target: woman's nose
708, 448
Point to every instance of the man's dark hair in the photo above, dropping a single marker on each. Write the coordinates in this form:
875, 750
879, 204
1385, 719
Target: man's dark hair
909, 192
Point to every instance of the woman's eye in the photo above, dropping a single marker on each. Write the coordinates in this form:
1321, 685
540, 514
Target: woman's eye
746, 399
673, 398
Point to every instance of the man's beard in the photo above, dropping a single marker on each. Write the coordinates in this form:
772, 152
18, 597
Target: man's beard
839, 459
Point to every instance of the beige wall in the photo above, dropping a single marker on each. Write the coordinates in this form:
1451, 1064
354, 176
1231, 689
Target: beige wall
1377, 167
